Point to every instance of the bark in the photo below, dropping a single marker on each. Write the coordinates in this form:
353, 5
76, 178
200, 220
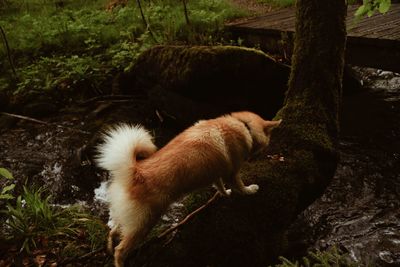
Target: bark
251, 230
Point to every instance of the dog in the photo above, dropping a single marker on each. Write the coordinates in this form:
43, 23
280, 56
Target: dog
145, 181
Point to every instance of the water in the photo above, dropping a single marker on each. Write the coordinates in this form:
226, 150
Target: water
360, 210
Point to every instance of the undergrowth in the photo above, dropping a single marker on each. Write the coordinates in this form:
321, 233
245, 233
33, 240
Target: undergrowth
33, 225
82, 45
288, 3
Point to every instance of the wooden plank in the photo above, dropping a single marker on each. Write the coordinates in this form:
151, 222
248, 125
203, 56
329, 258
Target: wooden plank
279, 24
376, 19
395, 35
266, 17
373, 41
381, 20
269, 21
372, 31
385, 33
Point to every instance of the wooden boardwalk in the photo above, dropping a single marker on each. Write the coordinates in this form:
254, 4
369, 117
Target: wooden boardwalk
373, 42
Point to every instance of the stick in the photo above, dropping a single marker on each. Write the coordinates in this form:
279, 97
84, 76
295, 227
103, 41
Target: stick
146, 24
109, 97
3, 34
186, 12
189, 216
82, 257
41, 122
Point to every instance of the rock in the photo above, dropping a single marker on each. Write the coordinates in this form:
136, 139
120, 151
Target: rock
184, 81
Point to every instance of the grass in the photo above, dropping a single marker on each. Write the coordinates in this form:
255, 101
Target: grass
81, 45
33, 225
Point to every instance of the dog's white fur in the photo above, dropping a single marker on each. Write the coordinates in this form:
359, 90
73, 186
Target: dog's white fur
146, 181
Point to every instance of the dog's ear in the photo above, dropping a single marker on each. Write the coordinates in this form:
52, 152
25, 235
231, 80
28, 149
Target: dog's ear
270, 125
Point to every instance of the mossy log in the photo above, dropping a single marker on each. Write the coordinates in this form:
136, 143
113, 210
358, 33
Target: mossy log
195, 82
251, 230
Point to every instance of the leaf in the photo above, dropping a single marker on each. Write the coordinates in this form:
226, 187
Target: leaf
5, 173
384, 6
7, 188
6, 196
359, 11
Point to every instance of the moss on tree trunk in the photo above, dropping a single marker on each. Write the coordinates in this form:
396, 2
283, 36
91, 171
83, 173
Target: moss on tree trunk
250, 230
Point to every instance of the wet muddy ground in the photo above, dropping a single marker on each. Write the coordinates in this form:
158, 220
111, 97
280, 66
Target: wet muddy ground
360, 211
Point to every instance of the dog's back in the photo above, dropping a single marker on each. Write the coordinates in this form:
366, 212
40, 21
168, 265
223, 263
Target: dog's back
209, 149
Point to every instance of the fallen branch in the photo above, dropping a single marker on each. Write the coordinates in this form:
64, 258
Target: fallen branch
189, 216
21, 117
108, 97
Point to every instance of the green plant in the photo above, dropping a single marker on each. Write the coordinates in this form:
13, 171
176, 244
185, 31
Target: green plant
369, 7
7, 189
33, 222
81, 45
329, 258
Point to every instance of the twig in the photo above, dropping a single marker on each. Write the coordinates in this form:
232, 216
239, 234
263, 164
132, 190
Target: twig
89, 254
41, 122
82, 257
146, 24
107, 97
3, 34
189, 216
186, 12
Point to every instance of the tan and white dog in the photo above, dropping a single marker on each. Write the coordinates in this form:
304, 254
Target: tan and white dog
145, 181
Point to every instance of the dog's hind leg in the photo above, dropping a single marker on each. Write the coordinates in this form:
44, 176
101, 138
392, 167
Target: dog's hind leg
132, 234
238, 185
129, 242
110, 240
219, 184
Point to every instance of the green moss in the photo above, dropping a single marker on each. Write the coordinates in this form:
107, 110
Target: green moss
176, 75
197, 199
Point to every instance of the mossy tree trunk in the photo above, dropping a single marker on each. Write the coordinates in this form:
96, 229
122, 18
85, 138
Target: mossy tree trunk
315, 85
251, 230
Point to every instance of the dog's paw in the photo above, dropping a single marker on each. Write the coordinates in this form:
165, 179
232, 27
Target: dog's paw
252, 189
225, 193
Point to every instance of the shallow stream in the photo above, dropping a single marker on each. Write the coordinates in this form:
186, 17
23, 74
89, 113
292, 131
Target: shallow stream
359, 213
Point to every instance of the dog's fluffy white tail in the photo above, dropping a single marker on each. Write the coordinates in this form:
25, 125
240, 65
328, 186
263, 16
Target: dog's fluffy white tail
122, 145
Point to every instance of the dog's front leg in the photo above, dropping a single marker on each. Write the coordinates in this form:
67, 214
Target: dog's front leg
219, 184
238, 185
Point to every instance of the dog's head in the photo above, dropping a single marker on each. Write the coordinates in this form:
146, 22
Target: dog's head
260, 129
